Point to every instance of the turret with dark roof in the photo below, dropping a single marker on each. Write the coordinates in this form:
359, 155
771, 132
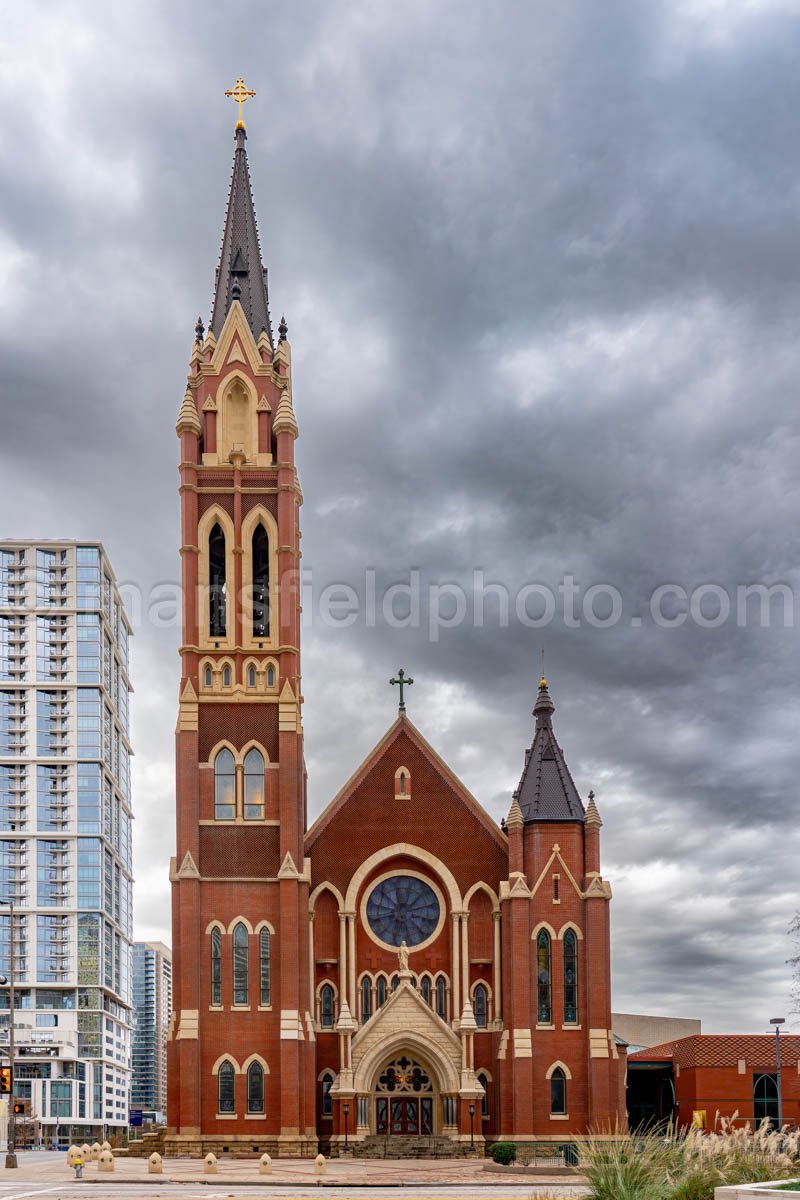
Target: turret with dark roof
546, 791
241, 274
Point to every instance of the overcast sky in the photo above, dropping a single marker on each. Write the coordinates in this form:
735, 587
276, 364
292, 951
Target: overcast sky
541, 268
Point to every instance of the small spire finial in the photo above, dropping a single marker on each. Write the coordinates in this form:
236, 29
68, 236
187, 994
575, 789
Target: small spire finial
236, 289
199, 331
283, 329
542, 676
240, 93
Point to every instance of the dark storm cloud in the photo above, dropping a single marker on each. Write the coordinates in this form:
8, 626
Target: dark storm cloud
541, 271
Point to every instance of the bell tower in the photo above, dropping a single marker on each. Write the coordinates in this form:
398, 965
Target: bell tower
241, 1039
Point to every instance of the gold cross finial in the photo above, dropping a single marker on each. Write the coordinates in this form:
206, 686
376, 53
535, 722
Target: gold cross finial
240, 93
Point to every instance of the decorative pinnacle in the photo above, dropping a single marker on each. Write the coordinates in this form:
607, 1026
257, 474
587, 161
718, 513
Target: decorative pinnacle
592, 815
515, 819
236, 289
240, 93
283, 329
199, 330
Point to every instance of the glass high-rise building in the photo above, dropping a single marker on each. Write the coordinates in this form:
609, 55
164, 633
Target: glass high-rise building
65, 835
152, 1007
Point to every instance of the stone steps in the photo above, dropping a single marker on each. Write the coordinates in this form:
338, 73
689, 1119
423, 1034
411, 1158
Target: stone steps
377, 1146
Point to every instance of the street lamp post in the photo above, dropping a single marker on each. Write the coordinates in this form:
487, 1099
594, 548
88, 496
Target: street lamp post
346, 1110
472, 1126
777, 1022
11, 1154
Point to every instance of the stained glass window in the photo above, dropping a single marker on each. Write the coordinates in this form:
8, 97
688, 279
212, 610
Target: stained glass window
241, 948
216, 967
480, 1004
326, 1004
570, 978
255, 1088
558, 1091
543, 979
403, 909
264, 963
227, 1088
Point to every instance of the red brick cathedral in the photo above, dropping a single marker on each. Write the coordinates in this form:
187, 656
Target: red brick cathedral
404, 968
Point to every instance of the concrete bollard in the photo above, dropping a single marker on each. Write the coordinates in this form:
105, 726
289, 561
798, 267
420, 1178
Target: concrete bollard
319, 1164
72, 1153
265, 1165
154, 1166
106, 1161
86, 1152
106, 1146
210, 1164
95, 1152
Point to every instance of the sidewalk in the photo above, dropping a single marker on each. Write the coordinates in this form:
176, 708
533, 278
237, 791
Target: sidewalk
52, 1168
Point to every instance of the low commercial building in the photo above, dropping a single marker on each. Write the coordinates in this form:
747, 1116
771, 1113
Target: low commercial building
697, 1080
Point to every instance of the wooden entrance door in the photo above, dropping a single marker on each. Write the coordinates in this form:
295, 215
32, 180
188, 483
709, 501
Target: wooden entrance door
404, 1100
404, 1116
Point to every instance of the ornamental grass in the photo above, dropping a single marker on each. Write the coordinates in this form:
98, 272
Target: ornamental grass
687, 1166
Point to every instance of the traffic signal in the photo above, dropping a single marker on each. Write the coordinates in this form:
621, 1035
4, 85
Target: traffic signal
19, 1110
5, 1081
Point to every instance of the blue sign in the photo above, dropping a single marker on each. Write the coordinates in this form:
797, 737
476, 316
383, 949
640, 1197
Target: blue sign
135, 1118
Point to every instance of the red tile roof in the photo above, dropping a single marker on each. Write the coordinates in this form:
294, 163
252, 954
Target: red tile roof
723, 1050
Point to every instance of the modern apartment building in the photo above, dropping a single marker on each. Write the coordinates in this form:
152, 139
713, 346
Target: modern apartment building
152, 1008
65, 835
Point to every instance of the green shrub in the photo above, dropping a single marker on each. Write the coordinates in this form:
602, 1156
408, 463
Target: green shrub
504, 1153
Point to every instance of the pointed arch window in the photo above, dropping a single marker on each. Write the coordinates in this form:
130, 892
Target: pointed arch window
426, 988
270, 676
480, 1005
217, 589
570, 978
395, 982
558, 1092
366, 999
240, 964
327, 1098
544, 982
224, 786
208, 677
381, 991
255, 1088
216, 967
226, 676
260, 552
226, 1083
483, 1080
265, 967
251, 677
441, 998
254, 786
326, 1007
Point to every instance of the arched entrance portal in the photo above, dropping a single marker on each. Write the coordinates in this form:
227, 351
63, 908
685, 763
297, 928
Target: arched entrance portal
404, 1099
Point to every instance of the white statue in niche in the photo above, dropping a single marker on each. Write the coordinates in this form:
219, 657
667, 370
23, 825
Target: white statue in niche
402, 954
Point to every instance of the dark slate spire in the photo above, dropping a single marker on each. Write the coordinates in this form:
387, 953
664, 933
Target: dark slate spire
546, 791
240, 274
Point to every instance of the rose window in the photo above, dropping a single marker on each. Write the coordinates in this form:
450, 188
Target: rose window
403, 909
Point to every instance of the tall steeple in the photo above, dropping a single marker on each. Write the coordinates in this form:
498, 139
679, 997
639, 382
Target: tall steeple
241, 275
546, 791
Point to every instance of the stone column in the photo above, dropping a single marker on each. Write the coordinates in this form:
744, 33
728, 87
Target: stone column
497, 990
456, 994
